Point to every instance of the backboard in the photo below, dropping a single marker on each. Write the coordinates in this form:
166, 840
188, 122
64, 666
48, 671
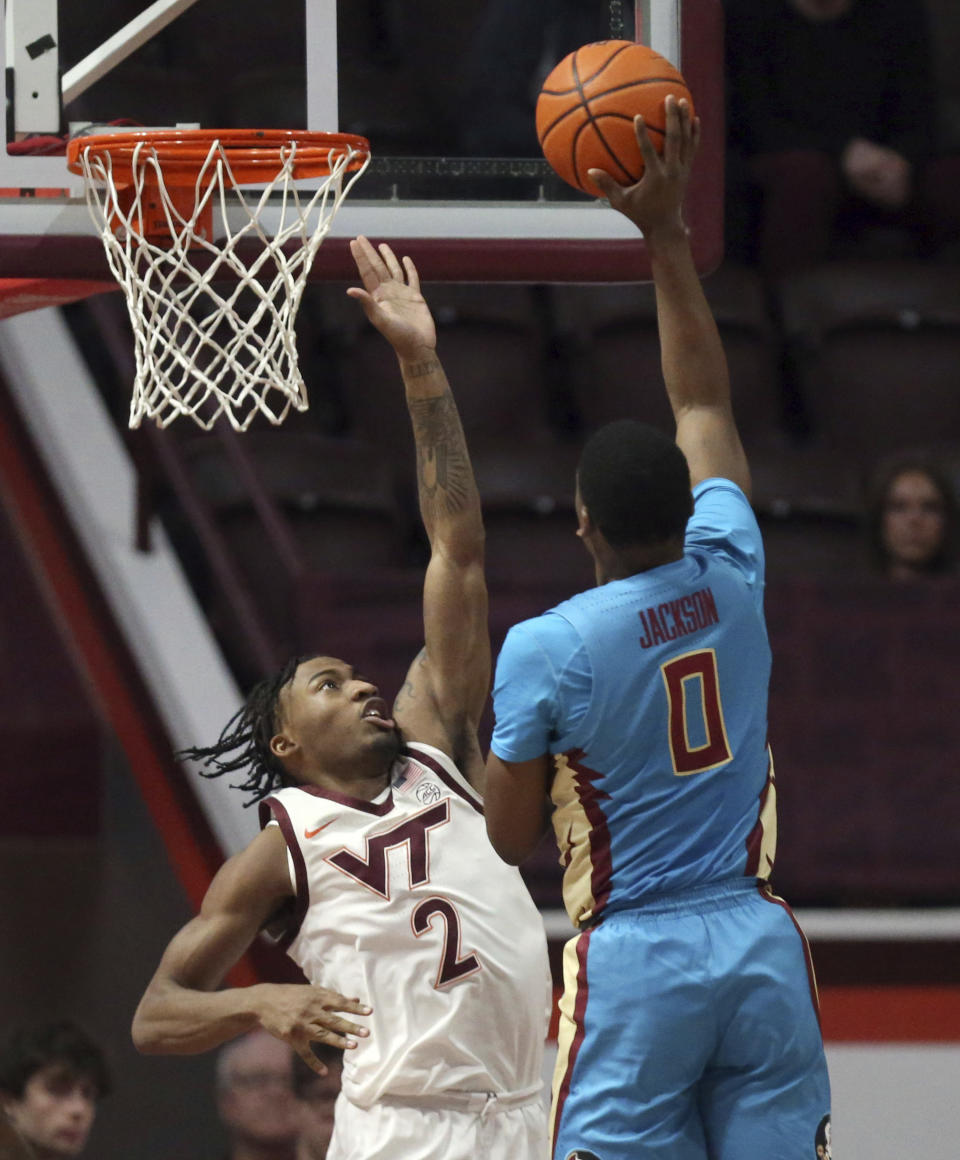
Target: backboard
445, 93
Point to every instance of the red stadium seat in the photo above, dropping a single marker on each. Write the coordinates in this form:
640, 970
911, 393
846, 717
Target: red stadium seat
875, 349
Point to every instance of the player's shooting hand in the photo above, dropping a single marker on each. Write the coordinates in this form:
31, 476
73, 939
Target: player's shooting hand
391, 298
302, 1014
655, 203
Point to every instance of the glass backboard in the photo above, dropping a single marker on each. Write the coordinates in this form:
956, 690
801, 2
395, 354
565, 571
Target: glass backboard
445, 94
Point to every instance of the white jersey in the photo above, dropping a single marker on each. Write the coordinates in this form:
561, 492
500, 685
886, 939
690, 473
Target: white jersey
403, 902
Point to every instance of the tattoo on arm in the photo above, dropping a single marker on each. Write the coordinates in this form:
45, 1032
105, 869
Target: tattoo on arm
409, 691
418, 370
443, 467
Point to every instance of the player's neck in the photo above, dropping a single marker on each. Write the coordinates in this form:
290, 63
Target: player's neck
629, 561
362, 781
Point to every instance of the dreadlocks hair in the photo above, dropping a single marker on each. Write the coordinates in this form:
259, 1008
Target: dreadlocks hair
244, 743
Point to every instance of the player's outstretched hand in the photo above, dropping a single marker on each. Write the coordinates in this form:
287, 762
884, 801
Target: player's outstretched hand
656, 201
391, 298
302, 1014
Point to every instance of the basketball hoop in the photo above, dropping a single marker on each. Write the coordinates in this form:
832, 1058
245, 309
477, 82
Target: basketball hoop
204, 348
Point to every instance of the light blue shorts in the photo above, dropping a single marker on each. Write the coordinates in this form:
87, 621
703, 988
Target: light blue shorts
689, 1030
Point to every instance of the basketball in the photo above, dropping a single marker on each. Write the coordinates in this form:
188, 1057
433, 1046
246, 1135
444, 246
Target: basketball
587, 104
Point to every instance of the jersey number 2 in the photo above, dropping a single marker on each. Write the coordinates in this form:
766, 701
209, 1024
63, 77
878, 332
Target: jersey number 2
693, 695
453, 967
373, 872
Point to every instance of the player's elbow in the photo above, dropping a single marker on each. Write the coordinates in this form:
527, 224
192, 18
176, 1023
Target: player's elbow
510, 845
512, 855
507, 852
462, 550
146, 1030
514, 806
144, 1036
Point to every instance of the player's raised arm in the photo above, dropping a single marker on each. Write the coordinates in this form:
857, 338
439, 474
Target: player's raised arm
692, 355
183, 1011
448, 683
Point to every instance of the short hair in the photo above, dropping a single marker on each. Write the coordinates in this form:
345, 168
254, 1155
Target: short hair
61, 1042
225, 1076
878, 492
244, 743
635, 483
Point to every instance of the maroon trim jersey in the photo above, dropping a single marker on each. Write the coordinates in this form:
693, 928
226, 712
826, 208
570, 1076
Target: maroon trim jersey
402, 902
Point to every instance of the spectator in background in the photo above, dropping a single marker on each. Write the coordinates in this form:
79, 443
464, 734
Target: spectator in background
12, 1144
831, 125
515, 45
255, 1098
912, 519
317, 1095
52, 1077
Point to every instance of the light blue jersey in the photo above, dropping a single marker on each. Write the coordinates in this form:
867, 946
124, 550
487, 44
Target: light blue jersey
651, 693
688, 1027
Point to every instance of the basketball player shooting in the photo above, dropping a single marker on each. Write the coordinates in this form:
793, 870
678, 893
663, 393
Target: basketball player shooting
689, 1024
425, 955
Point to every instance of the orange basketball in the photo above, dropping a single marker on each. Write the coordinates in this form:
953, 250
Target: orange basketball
587, 104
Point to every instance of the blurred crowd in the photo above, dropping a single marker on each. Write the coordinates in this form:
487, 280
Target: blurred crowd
270, 1103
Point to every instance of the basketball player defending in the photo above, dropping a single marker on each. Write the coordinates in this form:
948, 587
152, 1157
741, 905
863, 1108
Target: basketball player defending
425, 955
689, 1022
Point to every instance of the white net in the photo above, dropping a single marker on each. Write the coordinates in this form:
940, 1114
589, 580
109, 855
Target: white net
213, 303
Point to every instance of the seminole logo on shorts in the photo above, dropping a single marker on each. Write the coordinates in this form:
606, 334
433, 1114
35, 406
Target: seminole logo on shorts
579, 1154
822, 1140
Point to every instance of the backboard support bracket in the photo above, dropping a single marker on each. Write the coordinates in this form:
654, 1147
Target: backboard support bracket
36, 92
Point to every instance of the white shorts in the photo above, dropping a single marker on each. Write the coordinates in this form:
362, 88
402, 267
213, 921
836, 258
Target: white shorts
476, 1127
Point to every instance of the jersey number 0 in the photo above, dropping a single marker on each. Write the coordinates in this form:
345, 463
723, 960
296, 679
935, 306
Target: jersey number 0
697, 733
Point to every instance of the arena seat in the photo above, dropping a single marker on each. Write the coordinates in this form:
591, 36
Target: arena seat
862, 719
874, 348
944, 16
618, 370
333, 498
529, 516
491, 346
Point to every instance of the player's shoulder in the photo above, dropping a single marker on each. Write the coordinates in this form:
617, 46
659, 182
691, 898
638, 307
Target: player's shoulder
285, 795
719, 485
724, 527
554, 631
286, 803
721, 504
427, 773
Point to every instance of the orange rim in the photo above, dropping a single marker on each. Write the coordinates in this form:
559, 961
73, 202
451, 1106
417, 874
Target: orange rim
255, 155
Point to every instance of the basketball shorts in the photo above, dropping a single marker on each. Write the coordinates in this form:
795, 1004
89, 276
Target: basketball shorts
455, 1126
689, 1028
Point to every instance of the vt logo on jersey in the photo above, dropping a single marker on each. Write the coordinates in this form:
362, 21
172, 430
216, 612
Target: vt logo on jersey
373, 869
373, 872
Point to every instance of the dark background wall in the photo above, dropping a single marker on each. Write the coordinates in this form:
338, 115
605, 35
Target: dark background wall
88, 898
